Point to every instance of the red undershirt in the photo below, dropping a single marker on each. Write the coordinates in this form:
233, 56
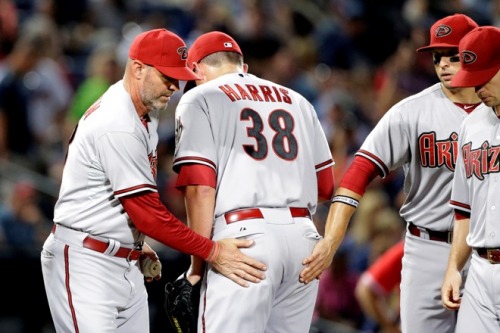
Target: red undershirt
153, 219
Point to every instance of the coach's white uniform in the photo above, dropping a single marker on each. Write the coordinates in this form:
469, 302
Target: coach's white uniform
476, 190
111, 154
266, 145
420, 134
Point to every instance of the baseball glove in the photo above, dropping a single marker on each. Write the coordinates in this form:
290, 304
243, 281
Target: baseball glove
181, 304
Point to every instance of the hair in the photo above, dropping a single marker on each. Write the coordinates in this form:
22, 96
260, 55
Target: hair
218, 58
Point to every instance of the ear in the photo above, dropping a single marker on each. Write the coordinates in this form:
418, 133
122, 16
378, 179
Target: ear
138, 69
245, 68
198, 69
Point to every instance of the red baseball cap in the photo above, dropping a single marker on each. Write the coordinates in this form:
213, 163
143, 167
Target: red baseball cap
207, 44
163, 50
448, 31
479, 57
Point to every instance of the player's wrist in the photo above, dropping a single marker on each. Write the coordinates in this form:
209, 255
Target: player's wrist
346, 200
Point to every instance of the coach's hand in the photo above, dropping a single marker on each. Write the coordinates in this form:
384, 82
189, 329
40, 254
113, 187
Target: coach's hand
235, 265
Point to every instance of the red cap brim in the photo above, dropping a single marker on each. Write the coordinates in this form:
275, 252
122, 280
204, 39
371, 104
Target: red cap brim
178, 73
465, 78
437, 46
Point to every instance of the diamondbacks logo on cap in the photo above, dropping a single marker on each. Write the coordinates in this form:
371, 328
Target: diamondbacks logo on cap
442, 30
183, 52
228, 44
468, 57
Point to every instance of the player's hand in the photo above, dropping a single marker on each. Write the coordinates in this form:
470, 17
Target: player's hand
450, 290
148, 252
317, 262
237, 266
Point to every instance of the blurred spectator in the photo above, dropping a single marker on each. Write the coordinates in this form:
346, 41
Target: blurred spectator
377, 291
23, 223
16, 137
9, 22
102, 70
50, 89
337, 310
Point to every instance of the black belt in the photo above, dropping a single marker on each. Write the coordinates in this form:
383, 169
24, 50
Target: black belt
255, 213
440, 236
492, 255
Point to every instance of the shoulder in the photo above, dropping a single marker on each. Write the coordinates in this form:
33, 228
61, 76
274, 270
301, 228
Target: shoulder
427, 100
114, 111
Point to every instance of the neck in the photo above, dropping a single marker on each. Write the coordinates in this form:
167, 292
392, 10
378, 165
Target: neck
132, 87
461, 95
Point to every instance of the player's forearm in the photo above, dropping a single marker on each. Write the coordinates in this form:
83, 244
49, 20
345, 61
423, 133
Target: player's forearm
339, 217
199, 202
460, 251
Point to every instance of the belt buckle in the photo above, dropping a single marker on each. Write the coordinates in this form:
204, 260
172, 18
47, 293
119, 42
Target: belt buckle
450, 237
493, 255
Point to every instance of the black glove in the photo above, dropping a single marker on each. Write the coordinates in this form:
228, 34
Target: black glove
181, 305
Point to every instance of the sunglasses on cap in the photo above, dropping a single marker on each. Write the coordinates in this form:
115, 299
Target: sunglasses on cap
453, 55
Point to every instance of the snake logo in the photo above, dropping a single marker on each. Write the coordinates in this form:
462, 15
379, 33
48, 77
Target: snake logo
442, 30
468, 57
183, 52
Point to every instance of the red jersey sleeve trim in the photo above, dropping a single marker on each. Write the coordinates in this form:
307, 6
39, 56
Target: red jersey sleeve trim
359, 175
460, 206
178, 162
153, 219
135, 189
196, 174
384, 170
324, 165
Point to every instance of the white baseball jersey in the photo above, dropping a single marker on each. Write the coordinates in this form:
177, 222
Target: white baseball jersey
420, 134
112, 154
257, 136
266, 145
475, 190
476, 181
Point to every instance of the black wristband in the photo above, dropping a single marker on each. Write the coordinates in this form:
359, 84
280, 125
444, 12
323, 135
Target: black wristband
347, 200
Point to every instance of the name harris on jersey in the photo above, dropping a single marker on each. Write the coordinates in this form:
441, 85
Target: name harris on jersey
260, 93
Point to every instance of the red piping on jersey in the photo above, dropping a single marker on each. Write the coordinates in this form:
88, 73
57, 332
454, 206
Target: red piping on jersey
135, 188
380, 164
192, 159
330, 161
68, 288
203, 324
459, 204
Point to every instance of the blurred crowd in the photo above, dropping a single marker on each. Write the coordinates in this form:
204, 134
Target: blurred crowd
352, 59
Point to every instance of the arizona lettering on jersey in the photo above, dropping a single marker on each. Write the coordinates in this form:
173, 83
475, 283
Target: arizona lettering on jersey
435, 153
481, 161
419, 134
476, 181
